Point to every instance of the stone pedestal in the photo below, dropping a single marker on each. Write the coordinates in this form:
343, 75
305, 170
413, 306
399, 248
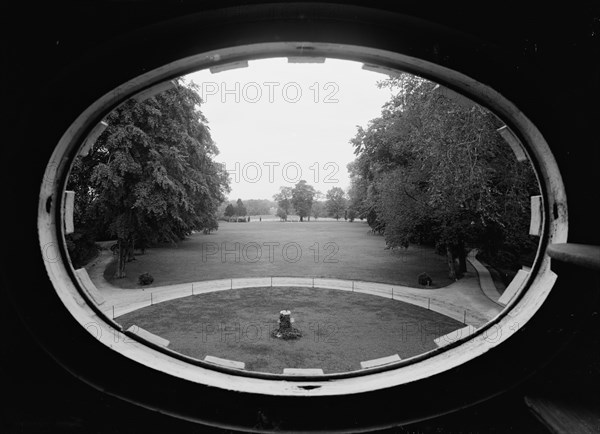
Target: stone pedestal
285, 320
285, 329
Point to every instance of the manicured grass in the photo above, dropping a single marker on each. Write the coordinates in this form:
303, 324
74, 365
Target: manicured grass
340, 328
261, 249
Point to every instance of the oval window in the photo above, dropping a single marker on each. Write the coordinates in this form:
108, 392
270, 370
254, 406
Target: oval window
267, 225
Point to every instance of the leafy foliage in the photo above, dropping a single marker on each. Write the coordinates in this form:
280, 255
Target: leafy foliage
82, 248
240, 209
318, 209
435, 170
336, 202
145, 279
302, 198
260, 206
284, 201
229, 210
150, 176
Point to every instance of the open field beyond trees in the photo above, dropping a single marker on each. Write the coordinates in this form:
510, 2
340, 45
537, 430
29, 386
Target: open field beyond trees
340, 250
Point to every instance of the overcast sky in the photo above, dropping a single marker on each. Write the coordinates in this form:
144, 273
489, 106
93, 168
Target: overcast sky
276, 122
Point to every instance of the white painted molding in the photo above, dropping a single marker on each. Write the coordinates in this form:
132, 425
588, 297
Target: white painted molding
454, 336
228, 66
515, 285
68, 212
150, 337
535, 224
301, 371
225, 362
514, 143
306, 59
154, 90
86, 283
381, 70
380, 361
92, 137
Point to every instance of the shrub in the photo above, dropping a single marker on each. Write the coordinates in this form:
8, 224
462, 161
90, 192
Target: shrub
145, 279
81, 247
425, 279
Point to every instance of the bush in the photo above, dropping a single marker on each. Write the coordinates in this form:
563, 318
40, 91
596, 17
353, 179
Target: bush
81, 247
425, 279
145, 279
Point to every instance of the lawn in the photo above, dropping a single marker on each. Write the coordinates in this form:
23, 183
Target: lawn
340, 328
261, 249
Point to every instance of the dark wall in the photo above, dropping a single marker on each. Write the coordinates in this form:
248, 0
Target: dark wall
553, 56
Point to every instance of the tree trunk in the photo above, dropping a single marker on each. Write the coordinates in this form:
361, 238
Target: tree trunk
451, 264
131, 250
301, 218
462, 259
121, 258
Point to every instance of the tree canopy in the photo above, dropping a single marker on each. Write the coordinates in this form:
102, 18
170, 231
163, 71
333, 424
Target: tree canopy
150, 177
240, 209
302, 198
229, 210
336, 202
284, 202
432, 169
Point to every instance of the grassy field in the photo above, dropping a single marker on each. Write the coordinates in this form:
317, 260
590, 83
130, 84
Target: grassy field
340, 329
261, 249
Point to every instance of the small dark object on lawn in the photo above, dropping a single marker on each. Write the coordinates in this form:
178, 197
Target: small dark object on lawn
285, 330
424, 279
145, 279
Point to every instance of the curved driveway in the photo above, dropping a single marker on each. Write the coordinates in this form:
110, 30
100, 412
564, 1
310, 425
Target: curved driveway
463, 300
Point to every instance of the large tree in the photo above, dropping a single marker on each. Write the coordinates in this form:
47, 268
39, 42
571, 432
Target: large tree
229, 210
318, 209
240, 209
336, 202
434, 169
303, 195
284, 200
150, 176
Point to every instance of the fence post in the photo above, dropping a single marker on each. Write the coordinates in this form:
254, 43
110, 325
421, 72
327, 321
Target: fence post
392, 292
271, 281
429, 304
113, 311
192, 289
151, 300
465, 317
353, 286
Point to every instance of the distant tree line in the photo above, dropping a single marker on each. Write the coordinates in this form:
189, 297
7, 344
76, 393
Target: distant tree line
250, 207
303, 201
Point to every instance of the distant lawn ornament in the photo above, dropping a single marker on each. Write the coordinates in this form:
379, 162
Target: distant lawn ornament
425, 279
285, 329
145, 279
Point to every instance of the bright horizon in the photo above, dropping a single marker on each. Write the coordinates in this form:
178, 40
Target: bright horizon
276, 122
